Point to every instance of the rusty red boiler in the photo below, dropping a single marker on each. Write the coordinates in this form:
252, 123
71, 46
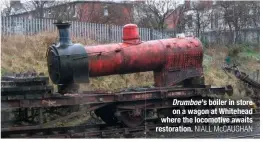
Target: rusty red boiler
172, 60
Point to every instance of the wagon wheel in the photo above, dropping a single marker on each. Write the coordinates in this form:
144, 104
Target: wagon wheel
106, 113
132, 118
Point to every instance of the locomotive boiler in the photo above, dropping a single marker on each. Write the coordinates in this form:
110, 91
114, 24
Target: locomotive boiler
175, 62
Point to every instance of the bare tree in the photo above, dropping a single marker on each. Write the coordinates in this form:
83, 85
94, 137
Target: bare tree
38, 6
63, 11
11, 7
239, 15
181, 19
86, 12
254, 6
154, 12
202, 14
5, 8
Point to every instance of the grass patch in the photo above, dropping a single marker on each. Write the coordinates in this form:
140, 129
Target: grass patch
215, 58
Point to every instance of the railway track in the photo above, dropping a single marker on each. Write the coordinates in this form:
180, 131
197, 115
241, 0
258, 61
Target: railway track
21, 92
95, 130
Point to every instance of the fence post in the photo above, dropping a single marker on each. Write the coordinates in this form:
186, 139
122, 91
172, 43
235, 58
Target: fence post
151, 34
162, 33
109, 32
3, 25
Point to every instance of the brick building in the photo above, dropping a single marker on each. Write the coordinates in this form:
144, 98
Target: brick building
104, 12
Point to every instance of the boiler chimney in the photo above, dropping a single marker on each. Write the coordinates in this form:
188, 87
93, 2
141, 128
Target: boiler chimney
63, 29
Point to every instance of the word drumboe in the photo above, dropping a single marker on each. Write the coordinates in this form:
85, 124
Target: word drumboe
211, 102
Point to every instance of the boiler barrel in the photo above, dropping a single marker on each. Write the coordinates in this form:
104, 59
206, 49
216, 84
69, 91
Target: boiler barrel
75, 63
123, 58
